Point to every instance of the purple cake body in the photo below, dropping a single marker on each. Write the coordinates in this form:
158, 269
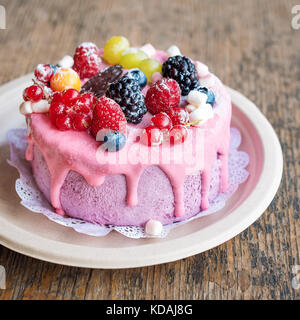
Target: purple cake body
106, 204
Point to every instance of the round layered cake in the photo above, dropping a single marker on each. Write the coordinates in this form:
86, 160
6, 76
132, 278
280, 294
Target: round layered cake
170, 155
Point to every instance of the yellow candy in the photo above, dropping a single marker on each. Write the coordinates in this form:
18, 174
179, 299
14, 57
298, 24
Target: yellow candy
114, 48
132, 59
149, 66
65, 78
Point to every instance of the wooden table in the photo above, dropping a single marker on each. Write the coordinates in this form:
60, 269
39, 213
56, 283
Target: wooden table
252, 47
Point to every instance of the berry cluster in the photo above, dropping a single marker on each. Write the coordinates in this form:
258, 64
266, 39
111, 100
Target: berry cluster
71, 110
181, 69
127, 93
120, 97
169, 126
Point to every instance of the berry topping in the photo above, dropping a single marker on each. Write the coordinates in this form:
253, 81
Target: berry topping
70, 110
161, 121
57, 96
181, 69
178, 116
210, 95
112, 140
33, 93
152, 136
65, 78
138, 75
108, 115
149, 66
54, 67
178, 134
127, 93
69, 97
132, 59
43, 72
100, 82
163, 96
63, 122
87, 61
114, 48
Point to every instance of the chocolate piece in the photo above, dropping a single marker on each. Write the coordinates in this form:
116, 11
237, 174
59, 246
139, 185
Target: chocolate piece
100, 82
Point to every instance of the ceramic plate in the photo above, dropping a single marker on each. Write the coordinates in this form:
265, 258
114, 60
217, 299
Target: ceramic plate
34, 235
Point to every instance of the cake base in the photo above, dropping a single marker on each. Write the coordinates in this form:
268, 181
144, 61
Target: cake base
82, 201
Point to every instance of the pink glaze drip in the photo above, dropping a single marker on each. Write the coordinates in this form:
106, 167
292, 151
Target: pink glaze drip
29, 150
78, 151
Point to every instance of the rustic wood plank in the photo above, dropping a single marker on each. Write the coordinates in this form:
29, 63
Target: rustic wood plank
251, 46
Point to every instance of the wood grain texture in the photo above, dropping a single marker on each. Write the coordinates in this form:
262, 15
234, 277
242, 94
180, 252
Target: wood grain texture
251, 46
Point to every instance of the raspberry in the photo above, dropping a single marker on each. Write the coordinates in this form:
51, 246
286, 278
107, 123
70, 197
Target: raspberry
63, 122
178, 116
163, 96
127, 93
108, 115
81, 121
43, 72
33, 93
87, 61
182, 70
70, 110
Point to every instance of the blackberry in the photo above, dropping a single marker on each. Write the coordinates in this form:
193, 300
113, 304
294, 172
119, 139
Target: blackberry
127, 93
181, 69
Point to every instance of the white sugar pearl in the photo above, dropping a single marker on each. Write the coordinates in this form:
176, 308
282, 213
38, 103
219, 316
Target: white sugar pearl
202, 69
174, 51
156, 76
25, 108
40, 107
196, 98
66, 62
202, 114
153, 227
190, 108
148, 49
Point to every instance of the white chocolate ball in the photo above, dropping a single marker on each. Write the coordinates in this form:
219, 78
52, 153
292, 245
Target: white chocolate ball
153, 227
25, 108
173, 51
196, 98
66, 62
190, 108
148, 49
202, 114
40, 107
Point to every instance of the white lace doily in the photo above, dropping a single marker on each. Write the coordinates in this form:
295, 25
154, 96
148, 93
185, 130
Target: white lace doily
34, 200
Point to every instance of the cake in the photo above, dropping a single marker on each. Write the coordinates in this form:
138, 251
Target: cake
128, 136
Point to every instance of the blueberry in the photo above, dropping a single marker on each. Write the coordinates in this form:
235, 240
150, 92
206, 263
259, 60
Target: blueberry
54, 67
209, 93
113, 141
138, 75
